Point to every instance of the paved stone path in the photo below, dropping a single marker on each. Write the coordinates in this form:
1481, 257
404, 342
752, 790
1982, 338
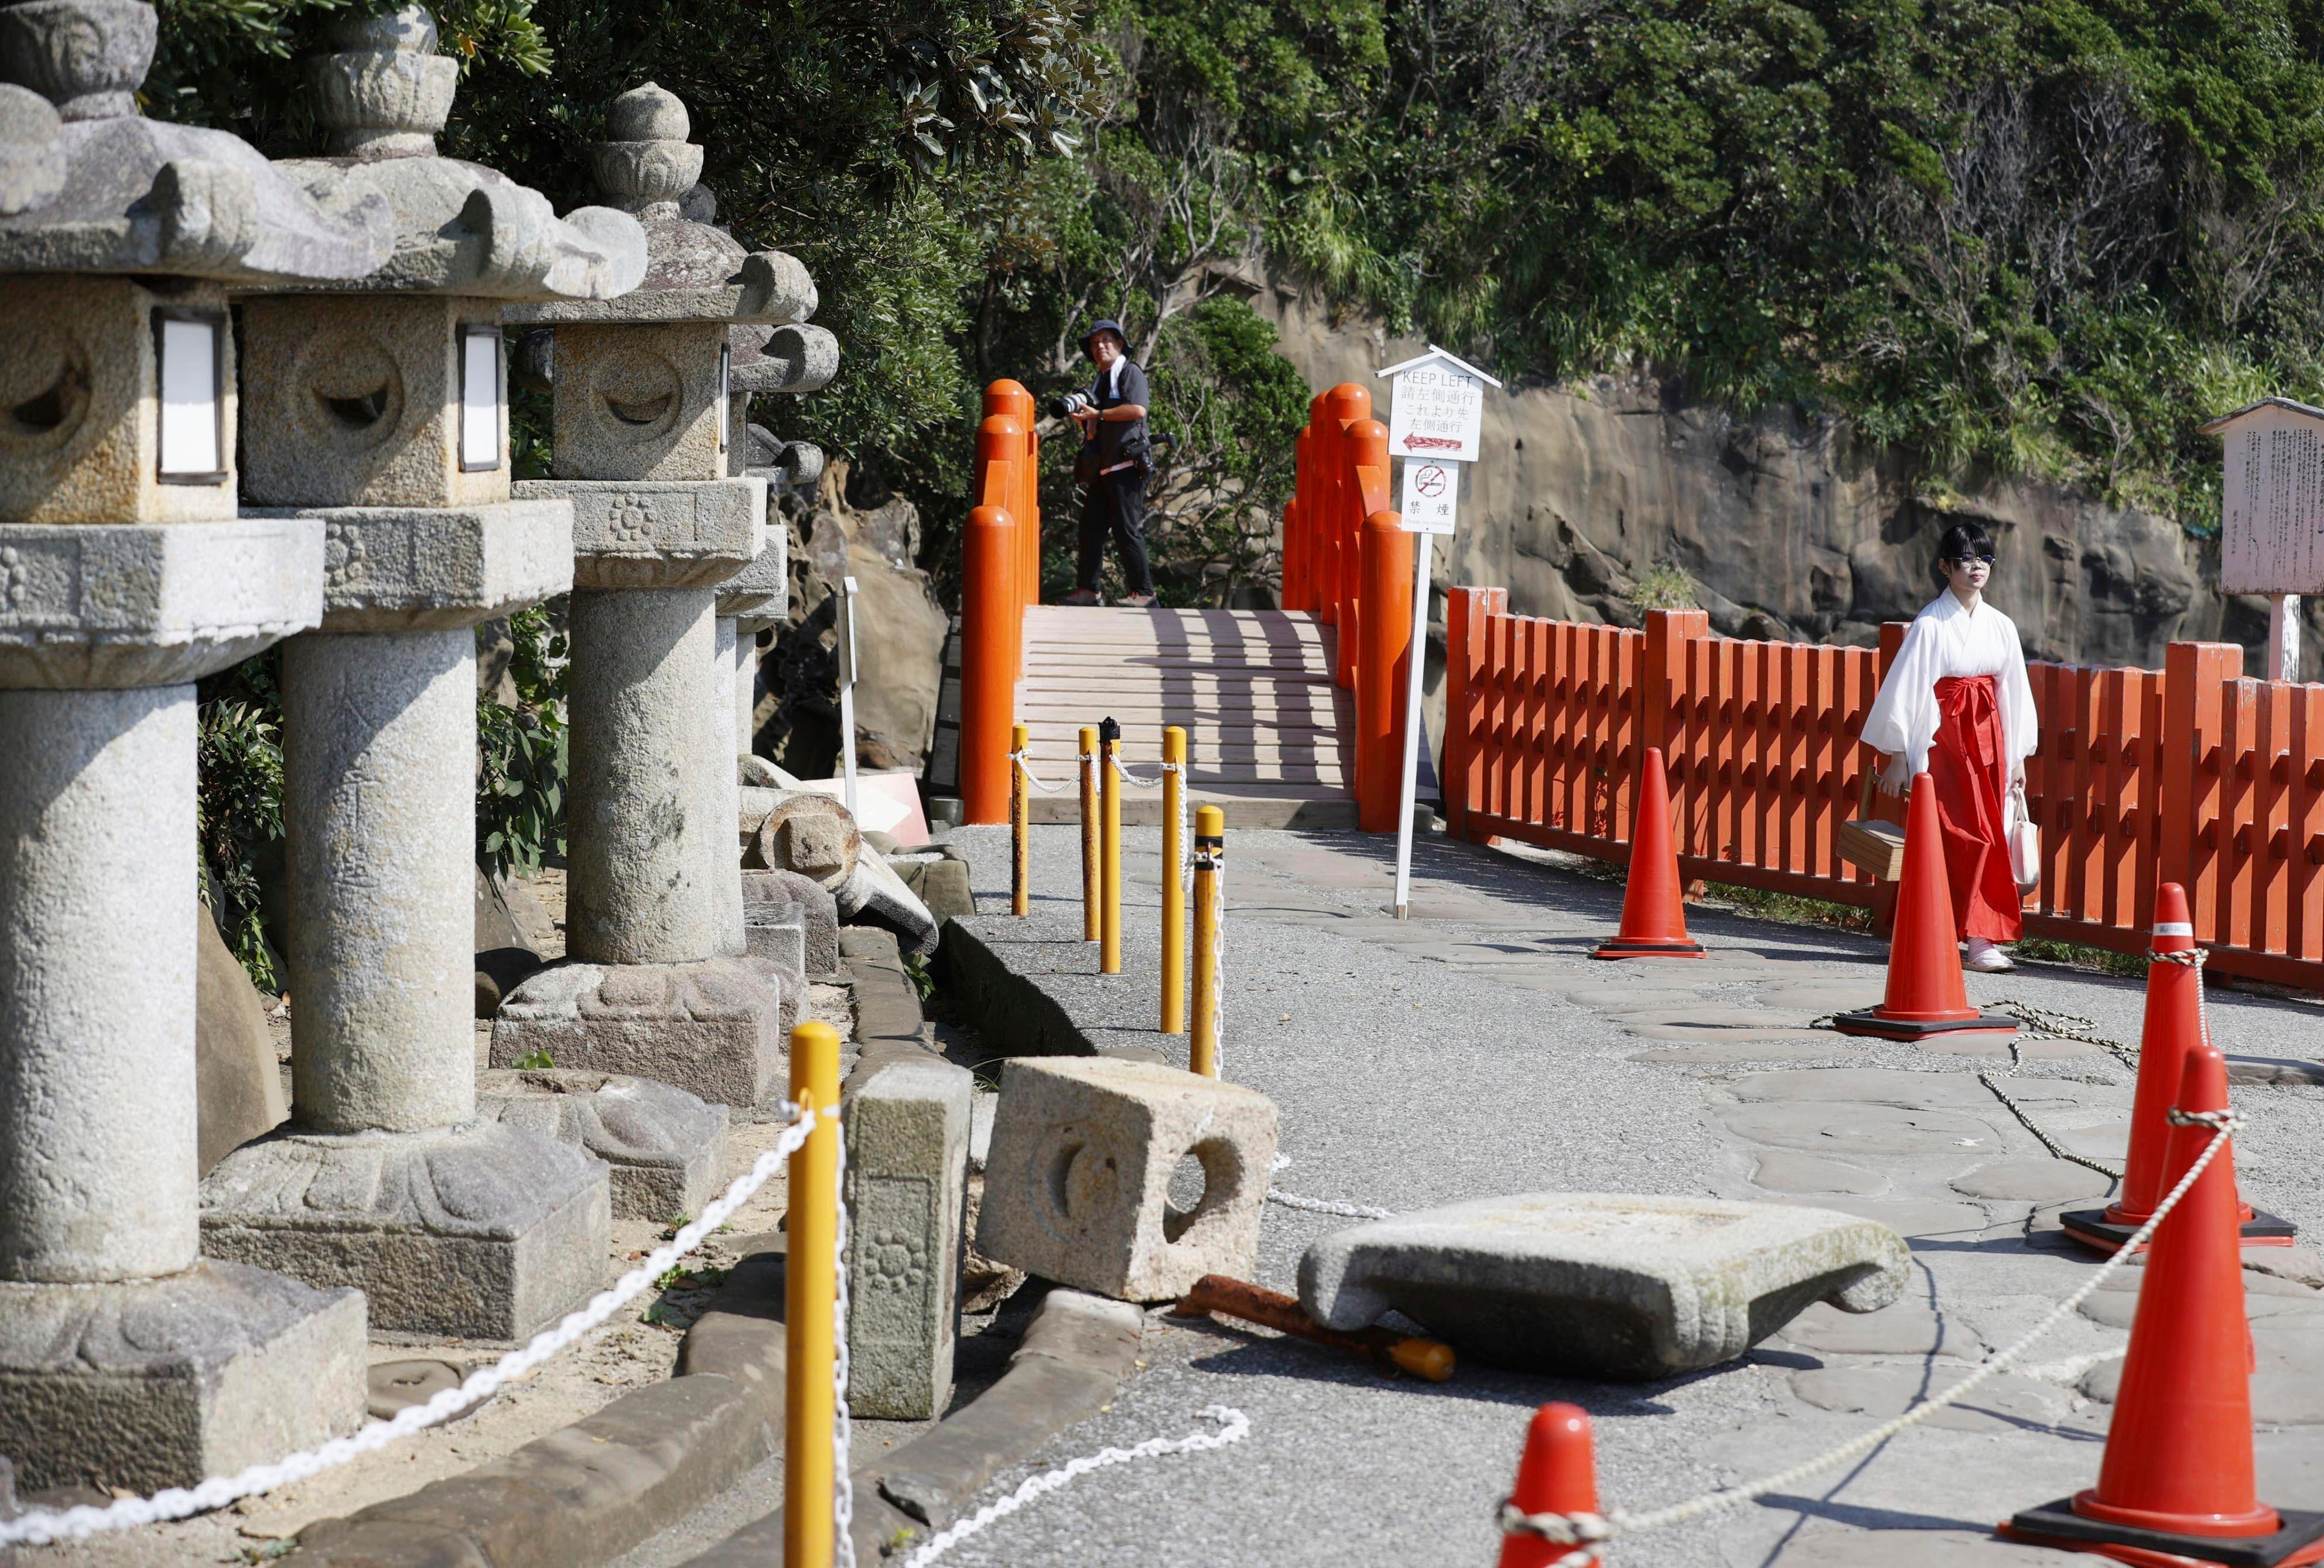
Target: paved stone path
1477, 1050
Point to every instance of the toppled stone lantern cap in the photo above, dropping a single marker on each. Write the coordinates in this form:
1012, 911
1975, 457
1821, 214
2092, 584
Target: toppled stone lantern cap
89, 185
1602, 1285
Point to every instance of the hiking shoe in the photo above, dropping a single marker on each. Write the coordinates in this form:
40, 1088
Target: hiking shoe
1135, 601
1085, 598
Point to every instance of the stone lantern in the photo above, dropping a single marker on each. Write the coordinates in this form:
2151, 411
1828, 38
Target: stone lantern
644, 448
380, 409
127, 1359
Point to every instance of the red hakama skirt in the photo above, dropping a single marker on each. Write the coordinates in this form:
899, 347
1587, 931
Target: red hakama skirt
1972, 779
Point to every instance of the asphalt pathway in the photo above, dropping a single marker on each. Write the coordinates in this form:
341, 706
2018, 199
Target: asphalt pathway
1476, 1050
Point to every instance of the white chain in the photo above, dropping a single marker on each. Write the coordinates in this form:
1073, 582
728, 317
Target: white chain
1590, 1532
1235, 1427
1186, 838
39, 1527
1025, 766
1321, 1205
1134, 781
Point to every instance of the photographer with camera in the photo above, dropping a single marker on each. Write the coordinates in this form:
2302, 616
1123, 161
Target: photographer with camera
1116, 456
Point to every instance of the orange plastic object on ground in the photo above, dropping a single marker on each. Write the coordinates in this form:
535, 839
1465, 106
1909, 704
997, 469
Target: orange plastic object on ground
1925, 994
1556, 1474
2173, 1027
2176, 1486
1654, 909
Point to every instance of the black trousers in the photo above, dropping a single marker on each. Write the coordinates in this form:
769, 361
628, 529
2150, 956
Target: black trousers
1115, 505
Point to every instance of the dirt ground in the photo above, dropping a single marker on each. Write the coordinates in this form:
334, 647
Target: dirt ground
638, 1346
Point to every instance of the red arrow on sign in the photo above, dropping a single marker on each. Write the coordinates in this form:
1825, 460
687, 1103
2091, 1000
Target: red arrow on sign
1431, 443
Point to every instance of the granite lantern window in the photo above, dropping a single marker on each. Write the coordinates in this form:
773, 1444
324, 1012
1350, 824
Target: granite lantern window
483, 399
189, 368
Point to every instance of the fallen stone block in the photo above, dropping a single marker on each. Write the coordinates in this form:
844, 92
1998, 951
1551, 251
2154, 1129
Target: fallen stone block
907, 1173
873, 895
237, 1083
767, 894
800, 831
1601, 1285
665, 1147
712, 1029
1078, 1183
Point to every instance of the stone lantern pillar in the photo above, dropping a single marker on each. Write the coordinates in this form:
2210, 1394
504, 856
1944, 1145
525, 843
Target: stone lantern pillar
127, 1359
380, 411
643, 449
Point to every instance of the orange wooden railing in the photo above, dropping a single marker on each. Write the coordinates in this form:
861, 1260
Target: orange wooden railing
1001, 575
1346, 560
2189, 774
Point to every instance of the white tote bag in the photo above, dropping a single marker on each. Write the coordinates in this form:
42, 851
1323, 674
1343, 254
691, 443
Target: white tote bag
2025, 846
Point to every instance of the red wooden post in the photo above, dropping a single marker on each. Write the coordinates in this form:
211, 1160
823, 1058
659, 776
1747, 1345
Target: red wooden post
1884, 894
989, 618
1662, 714
2193, 707
1382, 668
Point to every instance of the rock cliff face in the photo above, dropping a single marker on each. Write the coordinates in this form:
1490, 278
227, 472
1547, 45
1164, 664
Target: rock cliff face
1786, 528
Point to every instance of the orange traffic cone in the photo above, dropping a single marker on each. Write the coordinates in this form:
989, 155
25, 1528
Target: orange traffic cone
1556, 1474
1925, 994
2176, 1486
2174, 1026
1654, 918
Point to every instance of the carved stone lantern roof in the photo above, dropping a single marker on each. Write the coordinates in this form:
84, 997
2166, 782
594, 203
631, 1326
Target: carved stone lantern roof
459, 227
89, 185
695, 272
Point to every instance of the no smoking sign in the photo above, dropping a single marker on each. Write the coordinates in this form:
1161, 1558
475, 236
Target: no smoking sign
1431, 492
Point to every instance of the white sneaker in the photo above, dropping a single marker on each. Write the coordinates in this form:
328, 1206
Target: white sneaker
1986, 958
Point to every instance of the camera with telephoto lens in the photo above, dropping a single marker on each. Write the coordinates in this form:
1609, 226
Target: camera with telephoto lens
1070, 404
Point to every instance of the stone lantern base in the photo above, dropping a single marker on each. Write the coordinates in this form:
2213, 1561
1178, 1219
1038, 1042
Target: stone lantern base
481, 1231
666, 1148
712, 1028
163, 1382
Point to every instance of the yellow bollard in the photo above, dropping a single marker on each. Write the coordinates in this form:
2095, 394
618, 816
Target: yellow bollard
1173, 884
810, 1293
1109, 953
1210, 907
1020, 827
1089, 767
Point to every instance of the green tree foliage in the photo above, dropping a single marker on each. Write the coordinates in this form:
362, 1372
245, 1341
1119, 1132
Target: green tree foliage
521, 751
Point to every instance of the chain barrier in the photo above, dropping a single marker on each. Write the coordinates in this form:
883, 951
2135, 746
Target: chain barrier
1591, 1532
1276, 1195
1234, 1427
39, 1527
1134, 781
1025, 766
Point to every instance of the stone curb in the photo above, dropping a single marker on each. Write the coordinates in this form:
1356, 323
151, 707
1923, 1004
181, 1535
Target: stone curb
1021, 983
581, 1495
1076, 1351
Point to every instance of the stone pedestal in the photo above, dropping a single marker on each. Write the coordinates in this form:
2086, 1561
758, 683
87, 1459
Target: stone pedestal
906, 1185
658, 984
380, 1180
125, 1359
666, 1147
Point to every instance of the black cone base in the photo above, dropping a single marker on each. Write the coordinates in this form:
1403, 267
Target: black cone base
1615, 947
2057, 1525
1870, 1023
2093, 1230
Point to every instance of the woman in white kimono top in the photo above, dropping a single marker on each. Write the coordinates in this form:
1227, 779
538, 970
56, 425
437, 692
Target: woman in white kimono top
1957, 706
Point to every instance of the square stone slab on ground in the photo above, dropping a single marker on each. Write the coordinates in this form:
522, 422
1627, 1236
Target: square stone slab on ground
1077, 1182
1602, 1285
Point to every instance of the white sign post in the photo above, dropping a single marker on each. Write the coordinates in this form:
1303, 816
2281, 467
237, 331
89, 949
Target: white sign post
1436, 425
844, 612
2271, 522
